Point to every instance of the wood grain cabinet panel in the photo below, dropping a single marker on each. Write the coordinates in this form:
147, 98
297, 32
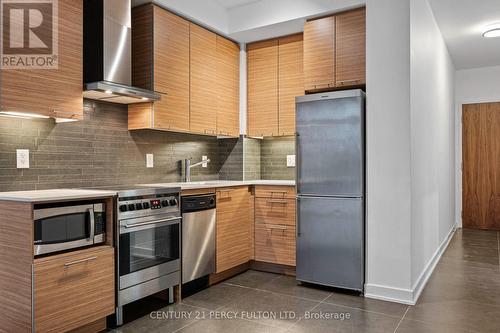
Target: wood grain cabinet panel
275, 211
228, 88
52, 92
350, 40
319, 54
233, 228
275, 243
171, 70
275, 192
290, 80
203, 81
73, 289
262, 81
160, 61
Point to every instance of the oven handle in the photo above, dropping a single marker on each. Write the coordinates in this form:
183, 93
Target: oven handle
142, 224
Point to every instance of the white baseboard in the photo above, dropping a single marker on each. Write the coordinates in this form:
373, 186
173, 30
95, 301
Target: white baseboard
419, 285
409, 296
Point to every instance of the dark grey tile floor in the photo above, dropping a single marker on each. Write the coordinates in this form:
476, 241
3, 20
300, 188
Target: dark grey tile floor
462, 295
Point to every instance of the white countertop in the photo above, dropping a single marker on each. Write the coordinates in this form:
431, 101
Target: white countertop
54, 195
76, 194
222, 183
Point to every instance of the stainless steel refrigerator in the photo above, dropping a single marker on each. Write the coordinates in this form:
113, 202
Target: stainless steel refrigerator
331, 188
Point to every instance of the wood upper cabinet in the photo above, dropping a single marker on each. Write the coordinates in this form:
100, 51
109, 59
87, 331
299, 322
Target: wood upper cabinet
228, 88
290, 81
203, 84
262, 72
233, 228
56, 93
160, 61
335, 51
350, 41
319, 54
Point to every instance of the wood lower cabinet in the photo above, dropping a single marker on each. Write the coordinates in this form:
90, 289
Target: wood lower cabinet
56, 93
228, 88
319, 54
275, 216
350, 41
275, 243
233, 228
73, 289
203, 81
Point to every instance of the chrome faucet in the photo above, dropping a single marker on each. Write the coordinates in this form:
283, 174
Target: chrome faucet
187, 168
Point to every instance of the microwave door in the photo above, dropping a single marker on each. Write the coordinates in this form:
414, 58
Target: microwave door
63, 228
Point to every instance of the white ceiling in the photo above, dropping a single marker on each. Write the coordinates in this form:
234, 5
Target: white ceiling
461, 23
228, 4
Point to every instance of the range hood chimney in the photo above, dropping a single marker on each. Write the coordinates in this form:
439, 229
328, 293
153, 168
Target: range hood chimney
107, 56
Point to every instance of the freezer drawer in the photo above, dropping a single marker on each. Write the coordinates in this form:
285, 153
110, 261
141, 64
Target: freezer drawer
330, 242
330, 147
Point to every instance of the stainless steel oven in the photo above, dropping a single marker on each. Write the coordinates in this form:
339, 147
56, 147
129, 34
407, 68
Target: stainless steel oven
64, 226
149, 249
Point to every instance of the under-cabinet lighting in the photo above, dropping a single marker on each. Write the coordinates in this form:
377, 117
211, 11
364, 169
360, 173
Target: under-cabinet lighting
109, 92
25, 115
65, 120
145, 99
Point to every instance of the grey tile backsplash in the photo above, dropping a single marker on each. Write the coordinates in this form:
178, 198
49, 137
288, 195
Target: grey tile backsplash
100, 151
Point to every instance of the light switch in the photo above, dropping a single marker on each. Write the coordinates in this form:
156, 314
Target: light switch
149, 160
290, 161
23, 158
204, 158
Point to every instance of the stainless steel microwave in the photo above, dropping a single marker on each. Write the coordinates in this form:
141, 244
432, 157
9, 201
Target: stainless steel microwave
62, 228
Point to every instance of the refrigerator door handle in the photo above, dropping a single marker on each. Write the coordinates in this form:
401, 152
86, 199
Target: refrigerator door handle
297, 164
297, 217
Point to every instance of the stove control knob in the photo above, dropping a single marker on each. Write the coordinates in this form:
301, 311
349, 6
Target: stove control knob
212, 201
131, 207
145, 205
164, 203
173, 202
123, 208
138, 206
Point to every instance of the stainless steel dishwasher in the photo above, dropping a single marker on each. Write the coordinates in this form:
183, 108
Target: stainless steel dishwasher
198, 236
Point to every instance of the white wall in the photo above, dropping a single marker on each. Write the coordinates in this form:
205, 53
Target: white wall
432, 143
478, 85
410, 147
388, 150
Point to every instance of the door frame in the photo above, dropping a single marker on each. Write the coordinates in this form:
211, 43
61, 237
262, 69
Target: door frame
458, 150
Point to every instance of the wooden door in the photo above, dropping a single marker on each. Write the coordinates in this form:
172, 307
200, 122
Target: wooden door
480, 169
228, 87
233, 229
171, 70
262, 74
203, 81
350, 43
291, 80
51, 92
319, 54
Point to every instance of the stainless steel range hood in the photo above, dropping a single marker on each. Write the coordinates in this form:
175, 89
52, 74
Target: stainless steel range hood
107, 44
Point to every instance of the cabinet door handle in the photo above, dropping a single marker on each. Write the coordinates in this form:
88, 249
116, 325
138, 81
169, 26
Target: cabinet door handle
284, 202
342, 82
81, 261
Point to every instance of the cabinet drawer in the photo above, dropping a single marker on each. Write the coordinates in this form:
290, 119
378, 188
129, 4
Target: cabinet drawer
275, 243
72, 290
275, 192
275, 211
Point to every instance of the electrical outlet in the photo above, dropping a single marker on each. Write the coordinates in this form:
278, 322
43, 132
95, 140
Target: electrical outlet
149, 161
23, 158
204, 158
290, 161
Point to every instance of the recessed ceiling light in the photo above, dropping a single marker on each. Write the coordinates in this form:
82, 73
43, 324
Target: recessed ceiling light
145, 99
492, 31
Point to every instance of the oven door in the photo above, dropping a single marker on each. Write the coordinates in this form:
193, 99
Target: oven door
62, 228
148, 249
